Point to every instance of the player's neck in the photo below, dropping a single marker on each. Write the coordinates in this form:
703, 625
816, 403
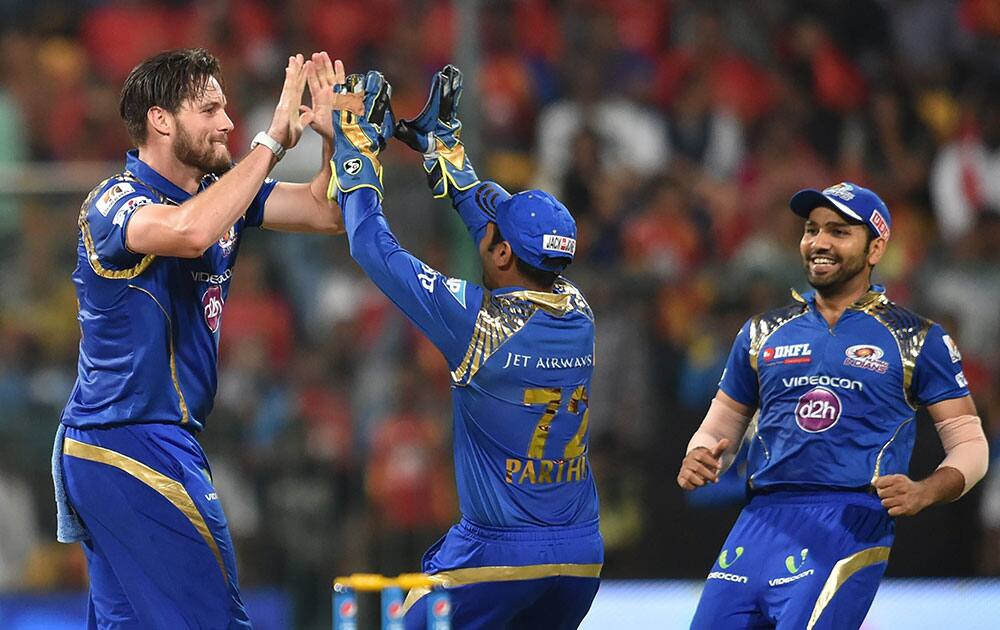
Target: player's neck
163, 161
833, 301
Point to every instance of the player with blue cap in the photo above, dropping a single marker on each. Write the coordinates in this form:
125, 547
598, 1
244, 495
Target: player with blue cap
836, 376
855, 203
527, 552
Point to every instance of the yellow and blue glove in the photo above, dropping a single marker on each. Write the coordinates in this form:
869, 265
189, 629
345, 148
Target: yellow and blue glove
358, 140
436, 132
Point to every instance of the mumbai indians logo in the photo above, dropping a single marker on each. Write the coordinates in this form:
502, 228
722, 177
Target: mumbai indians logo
211, 303
395, 610
866, 357
842, 190
228, 241
817, 410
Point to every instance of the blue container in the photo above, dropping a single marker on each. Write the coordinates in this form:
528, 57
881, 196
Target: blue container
438, 610
345, 608
392, 608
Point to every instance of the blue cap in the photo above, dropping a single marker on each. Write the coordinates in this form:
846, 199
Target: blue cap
540, 230
850, 200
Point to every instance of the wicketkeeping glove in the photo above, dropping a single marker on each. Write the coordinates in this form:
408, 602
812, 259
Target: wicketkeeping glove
358, 140
436, 132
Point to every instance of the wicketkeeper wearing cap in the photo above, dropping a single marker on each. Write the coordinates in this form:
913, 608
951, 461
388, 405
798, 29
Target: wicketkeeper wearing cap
527, 552
837, 376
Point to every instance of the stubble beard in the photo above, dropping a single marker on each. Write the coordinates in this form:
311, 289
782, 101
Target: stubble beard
834, 283
205, 158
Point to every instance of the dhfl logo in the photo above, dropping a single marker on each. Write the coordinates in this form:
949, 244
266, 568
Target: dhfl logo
878, 222
794, 353
211, 303
817, 410
348, 610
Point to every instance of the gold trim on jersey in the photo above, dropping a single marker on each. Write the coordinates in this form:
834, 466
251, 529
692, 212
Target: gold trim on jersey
170, 489
908, 329
841, 572
878, 459
765, 325
185, 414
475, 575
503, 316
88, 239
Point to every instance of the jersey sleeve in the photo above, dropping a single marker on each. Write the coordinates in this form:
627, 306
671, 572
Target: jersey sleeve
938, 372
106, 221
255, 212
739, 380
445, 309
477, 207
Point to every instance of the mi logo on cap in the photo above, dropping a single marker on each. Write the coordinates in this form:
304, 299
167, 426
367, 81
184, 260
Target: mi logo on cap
842, 190
561, 244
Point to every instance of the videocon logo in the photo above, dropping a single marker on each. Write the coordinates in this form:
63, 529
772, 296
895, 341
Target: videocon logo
725, 562
790, 562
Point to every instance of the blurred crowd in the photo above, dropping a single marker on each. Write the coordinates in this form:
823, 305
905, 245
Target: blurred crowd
675, 131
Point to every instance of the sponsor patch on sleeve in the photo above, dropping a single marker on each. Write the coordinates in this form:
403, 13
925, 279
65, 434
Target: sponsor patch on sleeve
953, 352
456, 288
961, 380
129, 207
107, 200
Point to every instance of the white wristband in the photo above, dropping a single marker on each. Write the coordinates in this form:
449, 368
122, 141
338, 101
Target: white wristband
269, 142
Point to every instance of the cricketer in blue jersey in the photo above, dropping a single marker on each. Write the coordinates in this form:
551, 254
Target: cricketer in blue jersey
527, 552
836, 376
156, 252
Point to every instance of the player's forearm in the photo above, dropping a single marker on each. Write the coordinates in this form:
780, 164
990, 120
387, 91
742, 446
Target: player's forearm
722, 422
205, 217
477, 206
942, 486
368, 234
329, 216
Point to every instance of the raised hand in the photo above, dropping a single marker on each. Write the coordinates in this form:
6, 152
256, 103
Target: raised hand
437, 133
358, 140
287, 123
440, 113
702, 466
323, 78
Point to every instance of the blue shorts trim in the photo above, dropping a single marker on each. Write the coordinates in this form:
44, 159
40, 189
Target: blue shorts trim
798, 560
159, 553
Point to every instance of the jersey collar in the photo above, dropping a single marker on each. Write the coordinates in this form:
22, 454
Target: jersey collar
147, 175
875, 292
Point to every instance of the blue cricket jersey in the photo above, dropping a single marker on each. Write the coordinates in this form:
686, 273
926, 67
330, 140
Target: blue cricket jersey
521, 364
837, 406
149, 324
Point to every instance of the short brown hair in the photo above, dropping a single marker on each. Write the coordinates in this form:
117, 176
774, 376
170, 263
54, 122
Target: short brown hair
165, 80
